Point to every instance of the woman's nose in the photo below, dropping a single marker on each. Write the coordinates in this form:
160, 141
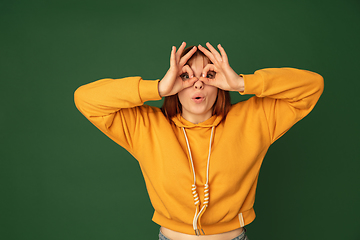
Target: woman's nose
199, 84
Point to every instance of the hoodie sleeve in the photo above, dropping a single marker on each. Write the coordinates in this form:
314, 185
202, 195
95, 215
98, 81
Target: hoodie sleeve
113, 105
285, 94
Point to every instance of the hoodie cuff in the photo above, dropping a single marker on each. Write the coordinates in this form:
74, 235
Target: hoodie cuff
253, 84
148, 90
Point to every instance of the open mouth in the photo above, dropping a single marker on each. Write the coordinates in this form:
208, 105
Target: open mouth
198, 99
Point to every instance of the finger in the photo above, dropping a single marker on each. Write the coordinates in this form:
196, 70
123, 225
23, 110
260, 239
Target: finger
179, 51
207, 53
188, 70
214, 52
208, 81
187, 56
207, 68
172, 56
190, 82
223, 53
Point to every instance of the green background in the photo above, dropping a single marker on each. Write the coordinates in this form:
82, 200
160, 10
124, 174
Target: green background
61, 178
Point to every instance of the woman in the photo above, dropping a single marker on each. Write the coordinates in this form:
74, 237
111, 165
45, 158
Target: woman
199, 155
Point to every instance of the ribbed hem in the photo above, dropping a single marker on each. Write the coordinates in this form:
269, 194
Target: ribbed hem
253, 84
248, 217
148, 90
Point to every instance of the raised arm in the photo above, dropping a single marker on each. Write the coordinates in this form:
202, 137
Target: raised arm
286, 95
115, 106
106, 96
112, 105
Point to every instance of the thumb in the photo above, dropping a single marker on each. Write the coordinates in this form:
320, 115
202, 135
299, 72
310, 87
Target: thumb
208, 81
190, 82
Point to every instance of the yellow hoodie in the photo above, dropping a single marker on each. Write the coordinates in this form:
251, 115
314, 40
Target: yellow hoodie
237, 146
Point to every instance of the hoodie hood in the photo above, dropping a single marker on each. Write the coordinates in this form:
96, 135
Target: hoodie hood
183, 123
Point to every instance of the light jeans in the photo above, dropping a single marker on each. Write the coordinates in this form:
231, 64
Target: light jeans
242, 236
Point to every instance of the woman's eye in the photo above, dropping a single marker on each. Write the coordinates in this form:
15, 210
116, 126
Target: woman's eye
211, 75
184, 76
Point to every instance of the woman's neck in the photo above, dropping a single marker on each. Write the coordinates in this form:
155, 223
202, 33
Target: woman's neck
194, 118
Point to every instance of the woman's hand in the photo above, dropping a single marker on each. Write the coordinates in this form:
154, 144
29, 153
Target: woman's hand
225, 77
172, 82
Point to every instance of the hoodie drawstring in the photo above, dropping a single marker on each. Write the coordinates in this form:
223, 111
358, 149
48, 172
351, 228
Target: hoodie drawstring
198, 214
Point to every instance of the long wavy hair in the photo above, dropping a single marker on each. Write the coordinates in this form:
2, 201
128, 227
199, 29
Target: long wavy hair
172, 106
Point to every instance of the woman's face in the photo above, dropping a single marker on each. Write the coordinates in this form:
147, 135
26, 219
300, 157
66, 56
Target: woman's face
198, 100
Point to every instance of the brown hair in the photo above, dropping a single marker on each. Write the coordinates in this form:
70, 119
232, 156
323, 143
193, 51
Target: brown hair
172, 106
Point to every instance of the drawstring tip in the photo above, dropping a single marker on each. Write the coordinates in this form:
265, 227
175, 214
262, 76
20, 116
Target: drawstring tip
198, 233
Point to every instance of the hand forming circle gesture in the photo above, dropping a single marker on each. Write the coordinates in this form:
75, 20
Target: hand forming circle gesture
226, 78
172, 82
